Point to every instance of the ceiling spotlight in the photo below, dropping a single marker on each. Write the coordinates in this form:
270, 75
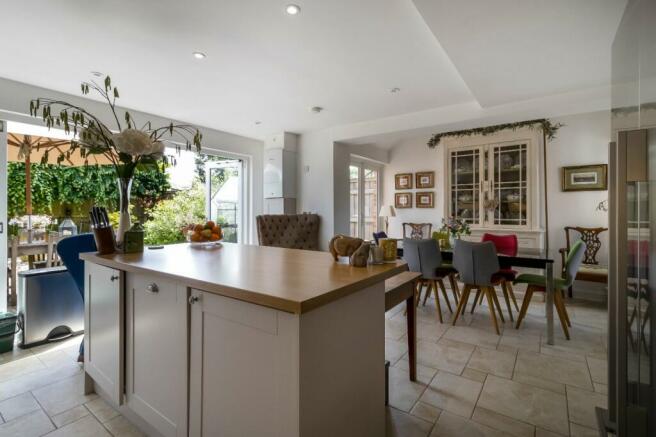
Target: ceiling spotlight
96, 73
316, 109
395, 90
199, 55
292, 9
258, 122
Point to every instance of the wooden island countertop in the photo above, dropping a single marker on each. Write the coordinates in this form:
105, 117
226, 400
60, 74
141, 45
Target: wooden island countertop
290, 280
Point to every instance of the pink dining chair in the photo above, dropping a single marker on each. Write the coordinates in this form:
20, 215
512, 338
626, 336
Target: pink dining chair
505, 245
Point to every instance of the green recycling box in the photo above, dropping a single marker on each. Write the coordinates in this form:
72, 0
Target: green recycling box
7, 331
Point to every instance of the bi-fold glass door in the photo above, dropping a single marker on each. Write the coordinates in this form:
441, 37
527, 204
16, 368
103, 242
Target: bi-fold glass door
225, 197
364, 200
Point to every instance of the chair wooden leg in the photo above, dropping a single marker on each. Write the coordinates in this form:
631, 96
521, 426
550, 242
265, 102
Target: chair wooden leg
476, 299
525, 303
433, 285
570, 292
504, 288
490, 301
562, 300
462, 303
558, 303
446, 296
429, 287
512, 295
495, 299
420, 287
454, 287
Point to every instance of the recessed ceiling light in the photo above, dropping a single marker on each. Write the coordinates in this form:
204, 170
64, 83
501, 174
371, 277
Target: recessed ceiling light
96, 73
199, 55
258, 122
316, 109
292, 9
395, 90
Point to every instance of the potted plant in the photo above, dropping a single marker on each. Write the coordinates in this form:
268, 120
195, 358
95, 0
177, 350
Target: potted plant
126, 146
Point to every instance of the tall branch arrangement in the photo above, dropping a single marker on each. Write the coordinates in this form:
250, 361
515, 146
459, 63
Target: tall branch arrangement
126, 146
548, 128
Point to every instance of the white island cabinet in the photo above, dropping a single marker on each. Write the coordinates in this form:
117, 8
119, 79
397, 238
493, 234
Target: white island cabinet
238, 341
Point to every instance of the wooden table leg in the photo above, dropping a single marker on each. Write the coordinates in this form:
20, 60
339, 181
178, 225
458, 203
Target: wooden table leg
412, 333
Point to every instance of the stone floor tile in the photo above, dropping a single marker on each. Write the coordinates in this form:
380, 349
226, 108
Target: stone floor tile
581, 405
424, 374
499, 422
474, 375
18, 406
394, 350
525, 403
20, 366
536, 381
34, 424
525, 342
600, 388
554, 369
63, 395
121, 427
86, 427
447, 355
478, 337
598, 370
101, 409
395, 329
539, 432
403, 393
40, 378
582, 431
451, 425
493, 362
426, 411
452, 393
400, 424
70, 416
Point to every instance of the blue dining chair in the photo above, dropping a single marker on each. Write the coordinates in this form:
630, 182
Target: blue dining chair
69, 250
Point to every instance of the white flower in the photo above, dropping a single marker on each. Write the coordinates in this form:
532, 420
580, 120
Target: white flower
158, 149
133, 142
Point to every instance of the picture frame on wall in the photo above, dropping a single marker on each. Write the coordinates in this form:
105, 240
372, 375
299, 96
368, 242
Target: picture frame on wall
425, 199
403, 181
425, 179
403, 200
592, 177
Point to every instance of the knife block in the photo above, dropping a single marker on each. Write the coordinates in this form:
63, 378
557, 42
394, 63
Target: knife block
105, 241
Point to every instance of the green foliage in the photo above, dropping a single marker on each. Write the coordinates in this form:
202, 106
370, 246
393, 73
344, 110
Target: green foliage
56, 186
170, 216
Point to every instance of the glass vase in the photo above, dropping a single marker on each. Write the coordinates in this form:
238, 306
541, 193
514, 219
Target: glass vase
124, 220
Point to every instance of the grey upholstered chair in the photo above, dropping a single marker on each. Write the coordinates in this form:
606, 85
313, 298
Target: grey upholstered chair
424, 256
538, 283
293, 231
478, 266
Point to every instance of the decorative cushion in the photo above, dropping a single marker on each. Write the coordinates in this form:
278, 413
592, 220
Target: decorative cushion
295, 231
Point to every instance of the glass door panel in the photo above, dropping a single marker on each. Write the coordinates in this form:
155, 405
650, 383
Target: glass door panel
354, 190
224, 202
370, 212
466, 185
509, 185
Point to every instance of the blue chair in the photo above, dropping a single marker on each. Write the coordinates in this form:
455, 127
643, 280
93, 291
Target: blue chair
69, 250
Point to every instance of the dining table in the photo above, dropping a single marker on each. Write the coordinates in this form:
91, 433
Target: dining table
534, 258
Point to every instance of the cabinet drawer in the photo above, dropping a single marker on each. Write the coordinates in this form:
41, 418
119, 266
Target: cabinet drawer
156, 347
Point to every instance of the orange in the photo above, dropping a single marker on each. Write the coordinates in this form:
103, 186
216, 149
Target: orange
210, 224
198, 228
195, 237
216, 229
214, 237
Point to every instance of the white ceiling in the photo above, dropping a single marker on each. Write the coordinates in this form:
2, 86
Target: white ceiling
345, 56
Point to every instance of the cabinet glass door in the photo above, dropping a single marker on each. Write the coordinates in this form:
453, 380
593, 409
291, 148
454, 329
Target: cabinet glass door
466, 184
509, 194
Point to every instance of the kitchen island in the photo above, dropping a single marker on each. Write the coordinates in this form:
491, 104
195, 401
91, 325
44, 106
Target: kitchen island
238, 340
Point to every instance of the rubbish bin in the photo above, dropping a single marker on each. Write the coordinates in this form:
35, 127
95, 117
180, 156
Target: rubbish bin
7, 331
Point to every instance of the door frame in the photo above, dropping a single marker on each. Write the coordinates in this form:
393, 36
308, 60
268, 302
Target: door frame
241, 213
4, 225
363, 165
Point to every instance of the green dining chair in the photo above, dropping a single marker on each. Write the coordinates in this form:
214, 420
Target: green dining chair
538, 283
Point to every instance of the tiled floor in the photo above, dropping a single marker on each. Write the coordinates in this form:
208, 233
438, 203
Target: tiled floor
471, 381
474, 383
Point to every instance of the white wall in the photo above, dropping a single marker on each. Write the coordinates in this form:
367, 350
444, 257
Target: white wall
14, 106
583, 140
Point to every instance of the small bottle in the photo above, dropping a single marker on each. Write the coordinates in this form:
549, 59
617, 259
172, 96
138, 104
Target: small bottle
67, 226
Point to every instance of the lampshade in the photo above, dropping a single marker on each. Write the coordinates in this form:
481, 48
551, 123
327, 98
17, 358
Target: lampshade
387, 211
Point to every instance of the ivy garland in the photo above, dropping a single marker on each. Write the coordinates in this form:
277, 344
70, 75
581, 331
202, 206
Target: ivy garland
548, 128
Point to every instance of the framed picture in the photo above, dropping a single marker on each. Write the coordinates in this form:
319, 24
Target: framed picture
424, 199
403, 200
403, 181
425, 179
585, 177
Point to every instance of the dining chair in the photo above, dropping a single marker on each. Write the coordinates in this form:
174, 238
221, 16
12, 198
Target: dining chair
424, 256
538, 283
478, 267
418, 231
292, 231
591, 270
505, 245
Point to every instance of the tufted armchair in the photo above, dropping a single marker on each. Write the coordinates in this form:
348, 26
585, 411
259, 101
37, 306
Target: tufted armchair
294, 231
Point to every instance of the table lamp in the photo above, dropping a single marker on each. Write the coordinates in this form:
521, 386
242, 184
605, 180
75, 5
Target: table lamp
387, 211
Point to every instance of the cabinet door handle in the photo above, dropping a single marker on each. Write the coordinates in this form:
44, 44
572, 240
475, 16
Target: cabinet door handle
193, 299
153, 288
114, 278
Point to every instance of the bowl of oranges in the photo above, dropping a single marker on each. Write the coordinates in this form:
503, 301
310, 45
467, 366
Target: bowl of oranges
207, 234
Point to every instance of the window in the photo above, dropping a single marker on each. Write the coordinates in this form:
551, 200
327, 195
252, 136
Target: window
364, 191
